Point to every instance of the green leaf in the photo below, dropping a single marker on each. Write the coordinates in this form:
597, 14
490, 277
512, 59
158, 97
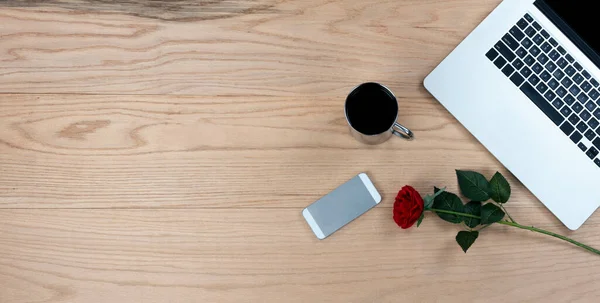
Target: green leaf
428, 200
499, 188
449, 202
490, 213
466, 238
421, 219
473, 185
473, 208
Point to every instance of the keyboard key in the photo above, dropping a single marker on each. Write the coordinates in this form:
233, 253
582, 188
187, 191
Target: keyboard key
522, 23
561, 50
597, 113
543, 59
576, 137
537, 68
500, 62
594, 94
582, 146
561, 92
507, 53
529, 60
578, 66
553, 42
553, 83
591, 106
546, 47
566, 111
527, 43
586, 74
594, 83
517, 33
574, 119
558, 74
590, 134
521, 52
569, 100
528, 18
593, 123
549, 95
492, 54
536, 25
525, 72
557, 103
586, 86
570, 58
517, 79
582, 127
542, 87
574, 90
530, 31
583, 98
551, 66
562, 63
510, 42
554, 55
542, 104
508, 70
545, 34
578, 78
585, 115
566, 82
577, 108
592, 153
597, 161
535, 51
570, 70
596, 142
518, 64
567, 128
534, 80
538, 39
545, 76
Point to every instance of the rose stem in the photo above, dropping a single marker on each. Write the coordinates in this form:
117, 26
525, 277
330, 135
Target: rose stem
517, 225
511, 219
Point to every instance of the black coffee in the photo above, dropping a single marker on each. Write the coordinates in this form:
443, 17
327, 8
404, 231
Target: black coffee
371, 109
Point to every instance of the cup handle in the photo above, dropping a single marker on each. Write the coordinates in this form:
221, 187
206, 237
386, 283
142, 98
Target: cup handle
402, 132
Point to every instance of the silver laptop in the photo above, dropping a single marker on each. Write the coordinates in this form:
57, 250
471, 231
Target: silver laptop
526, 84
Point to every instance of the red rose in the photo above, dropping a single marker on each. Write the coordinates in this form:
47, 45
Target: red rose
408, 207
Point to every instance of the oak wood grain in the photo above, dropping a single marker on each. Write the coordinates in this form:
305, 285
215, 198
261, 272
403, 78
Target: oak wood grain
162, 151
253, 255
295, 48
82, 151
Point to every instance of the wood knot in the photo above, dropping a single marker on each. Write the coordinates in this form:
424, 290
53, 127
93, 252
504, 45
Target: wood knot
79, 130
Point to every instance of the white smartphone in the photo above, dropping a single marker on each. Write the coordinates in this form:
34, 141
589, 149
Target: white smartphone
341, 206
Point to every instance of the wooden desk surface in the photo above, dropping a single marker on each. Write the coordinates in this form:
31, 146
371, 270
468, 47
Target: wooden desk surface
163, 152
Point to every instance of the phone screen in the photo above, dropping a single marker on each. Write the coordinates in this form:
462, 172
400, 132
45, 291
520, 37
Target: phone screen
341, 206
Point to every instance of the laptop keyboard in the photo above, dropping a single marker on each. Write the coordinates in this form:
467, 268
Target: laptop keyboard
553, 80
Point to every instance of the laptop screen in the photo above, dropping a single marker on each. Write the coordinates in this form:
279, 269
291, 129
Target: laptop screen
575, 19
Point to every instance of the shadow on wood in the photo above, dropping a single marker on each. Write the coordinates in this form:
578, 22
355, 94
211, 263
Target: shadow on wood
178, 10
